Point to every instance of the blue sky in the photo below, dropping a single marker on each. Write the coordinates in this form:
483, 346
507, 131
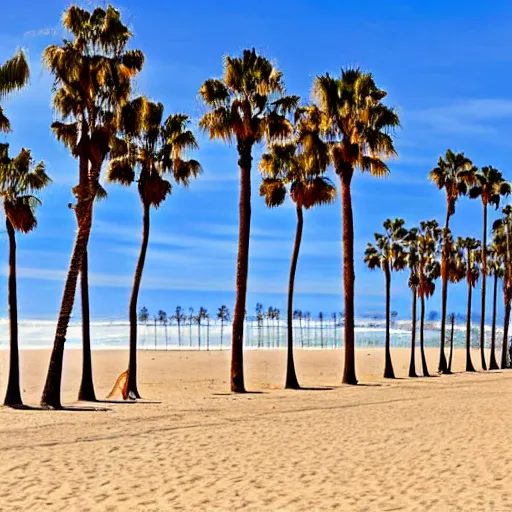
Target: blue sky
446, 66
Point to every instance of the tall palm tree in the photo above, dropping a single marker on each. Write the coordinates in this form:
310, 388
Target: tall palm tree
153, 150
495, 264
454, 174
428, 241
223, 316
502, 230
413, 264
180, 317
14, 74
388, 254
490, 186
20, 180
247, 105
92, 80
466, 248
298, 165
357, 125
259, 319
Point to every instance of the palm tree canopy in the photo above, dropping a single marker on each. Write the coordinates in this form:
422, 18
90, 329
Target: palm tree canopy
389, 248
454, 174
299, 164
248, 103
20, 181
223, 313
93, 74
152, 149
490, 186
14, 74
468, 259
356, 122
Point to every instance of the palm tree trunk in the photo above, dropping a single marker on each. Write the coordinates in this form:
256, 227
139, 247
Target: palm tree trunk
242, 268
349, 370
13, 394
484, 279
86, 391
51, 391
450, 359
412, 364
388, 368
443, 368
179, 332
199, 334
291, 376
222, 332
132, 389
506, 322
493, 363
424, 366
469, 364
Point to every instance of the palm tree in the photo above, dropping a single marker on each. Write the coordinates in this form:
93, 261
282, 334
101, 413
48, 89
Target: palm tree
466, 248
247, 105
428, 239
277, 318
413, 263
495, 264
321, 320
14, 75
20, 180
453, 174
298, 164
334, 317
451, 317
152, 150
180, 317
190, 320
502, 229
270, 316
307, 318
223, 316
93, 74
143, 315
297, 315
388, 254
162, 318
357, 125
201, 315
259, 318
490, 186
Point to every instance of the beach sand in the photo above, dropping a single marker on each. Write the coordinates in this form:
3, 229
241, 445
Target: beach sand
411, 444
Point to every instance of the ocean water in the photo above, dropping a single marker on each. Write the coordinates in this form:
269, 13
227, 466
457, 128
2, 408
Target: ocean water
39, 334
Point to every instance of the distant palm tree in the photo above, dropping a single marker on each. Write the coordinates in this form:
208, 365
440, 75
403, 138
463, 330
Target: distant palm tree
162, 318
143, 315
388, 254
490, 186
307, 318
451, 317
453, 174
90, 106
502, 230
259, 319
298, 164
270, 316
277, 318
223, 316
202, 314
20, 181
180, 317
334, 317
357, 125
153, 149
466, 248
190, 320
297, 315
14, 75
247, 105
413, 264
495, 264
154, 323
321, 320
429, 242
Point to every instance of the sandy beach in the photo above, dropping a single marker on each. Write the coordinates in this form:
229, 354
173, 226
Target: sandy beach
411, 444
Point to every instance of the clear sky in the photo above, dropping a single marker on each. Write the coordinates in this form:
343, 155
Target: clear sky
446, 66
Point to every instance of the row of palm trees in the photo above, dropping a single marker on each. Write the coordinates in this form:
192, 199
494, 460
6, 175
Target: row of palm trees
429, 252
346, 126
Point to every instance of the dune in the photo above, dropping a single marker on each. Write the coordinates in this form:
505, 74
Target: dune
439, 444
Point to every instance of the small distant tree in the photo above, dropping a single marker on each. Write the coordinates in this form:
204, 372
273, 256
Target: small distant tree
144, 315
202, 314
223, 316
334, 317
277, 317
269, 316
190, 321
180, 317
162, 318
297, 315
321, 319
259, 318
307, 318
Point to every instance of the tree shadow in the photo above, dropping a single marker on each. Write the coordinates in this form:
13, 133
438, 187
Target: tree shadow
232, 393
64, 408
129, 401
314, 388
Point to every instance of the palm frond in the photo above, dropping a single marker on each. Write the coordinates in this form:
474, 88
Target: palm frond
273, 191
14, 74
